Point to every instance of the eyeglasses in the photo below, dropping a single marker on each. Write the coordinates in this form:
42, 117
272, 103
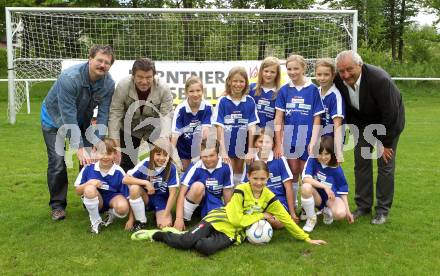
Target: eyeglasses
102, 61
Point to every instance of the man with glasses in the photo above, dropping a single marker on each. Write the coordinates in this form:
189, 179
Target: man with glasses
67, 111
142, 108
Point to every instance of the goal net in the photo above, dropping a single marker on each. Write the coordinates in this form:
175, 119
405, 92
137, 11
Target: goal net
41, 39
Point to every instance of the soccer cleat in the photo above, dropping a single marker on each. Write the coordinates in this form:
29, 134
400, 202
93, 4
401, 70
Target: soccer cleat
379, 219
144, 235
360, 213
58, 214
95, 228
303, 215
138, 226
310, 224
328, 215
109, 217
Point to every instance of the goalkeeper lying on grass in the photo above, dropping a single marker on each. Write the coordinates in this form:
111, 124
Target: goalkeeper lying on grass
225, 226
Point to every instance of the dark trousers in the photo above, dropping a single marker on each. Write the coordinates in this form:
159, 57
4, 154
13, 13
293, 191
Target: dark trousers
57, 180
127, 162
363, 170
203, 238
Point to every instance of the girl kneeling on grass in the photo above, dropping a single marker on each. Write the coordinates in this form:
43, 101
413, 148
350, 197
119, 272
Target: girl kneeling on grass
324, 186
153, 186
225, 226
101, 189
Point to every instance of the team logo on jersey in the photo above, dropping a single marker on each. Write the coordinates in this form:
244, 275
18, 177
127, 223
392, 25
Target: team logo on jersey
254, 209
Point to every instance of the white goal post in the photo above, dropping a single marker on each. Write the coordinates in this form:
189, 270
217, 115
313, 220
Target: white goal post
40, 39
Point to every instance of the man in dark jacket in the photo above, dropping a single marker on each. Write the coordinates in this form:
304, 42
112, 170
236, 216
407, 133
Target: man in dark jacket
374, 106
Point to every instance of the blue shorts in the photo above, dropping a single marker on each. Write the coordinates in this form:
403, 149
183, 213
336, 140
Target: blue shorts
324, 198
299, 152
184, 148
156, 203
107, 196
210, 202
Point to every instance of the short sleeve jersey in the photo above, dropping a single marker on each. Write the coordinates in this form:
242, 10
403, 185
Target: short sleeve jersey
330, 176
156, 177
265, 104
334, 106
279, 172
215, 180
111, 181
299, 107
188, 125
235, 117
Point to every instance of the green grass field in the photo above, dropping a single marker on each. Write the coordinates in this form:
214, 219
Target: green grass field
31, 244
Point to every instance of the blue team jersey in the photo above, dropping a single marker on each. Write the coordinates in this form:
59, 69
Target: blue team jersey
299, 107
334, 106
188, 126
111, 181
215, 180
156, 177
279, 172
235, 117
265, 104
330, 176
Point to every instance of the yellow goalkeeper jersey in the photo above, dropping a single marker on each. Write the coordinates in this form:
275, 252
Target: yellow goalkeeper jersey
244, 210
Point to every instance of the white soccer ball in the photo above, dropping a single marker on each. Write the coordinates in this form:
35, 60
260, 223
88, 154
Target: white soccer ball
259, 232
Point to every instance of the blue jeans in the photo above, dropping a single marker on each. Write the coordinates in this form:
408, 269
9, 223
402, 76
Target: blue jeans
57, 180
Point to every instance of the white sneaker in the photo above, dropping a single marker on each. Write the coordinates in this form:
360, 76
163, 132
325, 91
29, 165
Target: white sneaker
109, 217
328, 215
95, 228
310, 224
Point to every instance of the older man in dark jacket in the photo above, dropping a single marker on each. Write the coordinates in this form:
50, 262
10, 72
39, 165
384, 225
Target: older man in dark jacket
374, 106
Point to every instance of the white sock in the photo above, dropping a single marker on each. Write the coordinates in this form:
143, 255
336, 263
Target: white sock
308, 205
237, 179
295, 188
116, 214
188, 209
138, 207
92, 205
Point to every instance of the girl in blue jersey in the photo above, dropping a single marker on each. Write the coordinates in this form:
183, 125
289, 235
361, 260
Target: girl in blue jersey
234, 116
280, 176
265, 91
333, 103
100, 186
204, 184
324, 186
191, 122
225, 226
297, 118
153, 183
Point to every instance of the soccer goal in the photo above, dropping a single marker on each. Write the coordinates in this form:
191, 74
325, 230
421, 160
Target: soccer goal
40, 40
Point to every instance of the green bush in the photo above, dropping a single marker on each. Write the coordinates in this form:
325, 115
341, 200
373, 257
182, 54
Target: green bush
3, 64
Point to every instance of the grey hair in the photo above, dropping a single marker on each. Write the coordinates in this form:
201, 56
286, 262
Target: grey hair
349, 53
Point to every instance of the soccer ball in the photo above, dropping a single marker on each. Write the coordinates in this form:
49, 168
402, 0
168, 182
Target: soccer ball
259, 232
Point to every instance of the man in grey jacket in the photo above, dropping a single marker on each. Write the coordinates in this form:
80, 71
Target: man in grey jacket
141, 108
67, 111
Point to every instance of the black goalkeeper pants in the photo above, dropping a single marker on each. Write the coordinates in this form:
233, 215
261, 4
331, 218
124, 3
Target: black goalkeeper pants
203, 238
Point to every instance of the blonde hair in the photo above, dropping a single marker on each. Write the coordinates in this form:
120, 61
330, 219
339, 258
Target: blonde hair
326, 62
192, 80
299, 59
237, 70
269, 61
106, 146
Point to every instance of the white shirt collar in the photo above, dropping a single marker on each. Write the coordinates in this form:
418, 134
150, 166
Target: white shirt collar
243, 99
188, 108
219, 165
110, 172
266, 89
308, 83
329, 91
